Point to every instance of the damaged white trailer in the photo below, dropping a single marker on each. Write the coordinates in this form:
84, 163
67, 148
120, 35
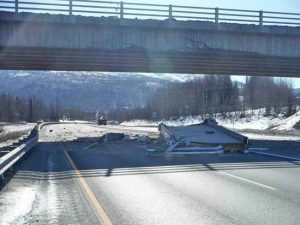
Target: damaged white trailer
206, 137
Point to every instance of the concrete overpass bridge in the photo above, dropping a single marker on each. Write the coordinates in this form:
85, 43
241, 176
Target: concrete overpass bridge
174, 43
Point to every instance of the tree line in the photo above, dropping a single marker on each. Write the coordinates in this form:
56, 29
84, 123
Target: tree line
207, 95
269, 93
212, 94
15, 109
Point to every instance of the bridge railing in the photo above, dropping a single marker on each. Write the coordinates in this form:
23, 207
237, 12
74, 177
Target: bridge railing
145, 11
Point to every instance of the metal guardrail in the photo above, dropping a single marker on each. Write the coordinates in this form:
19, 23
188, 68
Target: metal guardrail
8, 160
143, 11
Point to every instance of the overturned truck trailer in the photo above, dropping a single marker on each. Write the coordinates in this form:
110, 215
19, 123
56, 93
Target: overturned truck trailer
206, 137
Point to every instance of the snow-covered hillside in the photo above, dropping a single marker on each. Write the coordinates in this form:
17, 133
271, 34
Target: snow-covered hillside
289, 123
87, 90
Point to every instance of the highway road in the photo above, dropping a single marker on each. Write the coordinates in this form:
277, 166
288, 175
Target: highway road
68, 179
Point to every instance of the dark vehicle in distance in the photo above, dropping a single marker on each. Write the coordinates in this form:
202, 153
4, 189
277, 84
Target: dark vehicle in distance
101, 121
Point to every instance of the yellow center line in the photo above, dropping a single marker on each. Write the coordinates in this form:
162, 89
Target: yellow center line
102, 216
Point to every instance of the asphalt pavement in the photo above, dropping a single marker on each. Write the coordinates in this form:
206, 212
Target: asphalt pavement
70, 182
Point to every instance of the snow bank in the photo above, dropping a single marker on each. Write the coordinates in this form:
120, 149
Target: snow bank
12, 128
76, 121
182, 121
12, 132
289, 122
255, 120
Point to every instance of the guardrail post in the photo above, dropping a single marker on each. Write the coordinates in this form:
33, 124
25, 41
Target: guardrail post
121, 10
170, 12
70, 7
261, 18
216, 15
17, 6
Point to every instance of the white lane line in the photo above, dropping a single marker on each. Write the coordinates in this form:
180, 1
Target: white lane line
246, 180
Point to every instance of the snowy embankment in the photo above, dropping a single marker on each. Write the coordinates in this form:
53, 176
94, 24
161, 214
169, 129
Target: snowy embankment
253, 124
12, 132
292, 122
11, 128
252, 120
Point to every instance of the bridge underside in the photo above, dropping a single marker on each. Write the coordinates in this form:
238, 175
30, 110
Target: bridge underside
206, 61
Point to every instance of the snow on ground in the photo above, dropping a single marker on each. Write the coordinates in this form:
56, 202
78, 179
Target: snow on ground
288, 123
88, 132
17, 203
69, 132
12, 132
252, 121
11, 128
254, 125
75, 121
150, 129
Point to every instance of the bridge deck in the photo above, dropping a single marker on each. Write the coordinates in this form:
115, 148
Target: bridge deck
139, 60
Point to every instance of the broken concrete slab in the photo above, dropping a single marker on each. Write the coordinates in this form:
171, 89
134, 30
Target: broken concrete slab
205, 136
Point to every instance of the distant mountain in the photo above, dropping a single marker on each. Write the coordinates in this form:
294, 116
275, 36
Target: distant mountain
86, 90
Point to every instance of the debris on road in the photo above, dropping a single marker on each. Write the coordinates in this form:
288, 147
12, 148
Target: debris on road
90, 146
113, 137
88, 139
206, 137
143, 139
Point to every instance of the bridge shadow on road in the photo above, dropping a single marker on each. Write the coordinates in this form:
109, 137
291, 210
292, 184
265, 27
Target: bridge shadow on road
48, 161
